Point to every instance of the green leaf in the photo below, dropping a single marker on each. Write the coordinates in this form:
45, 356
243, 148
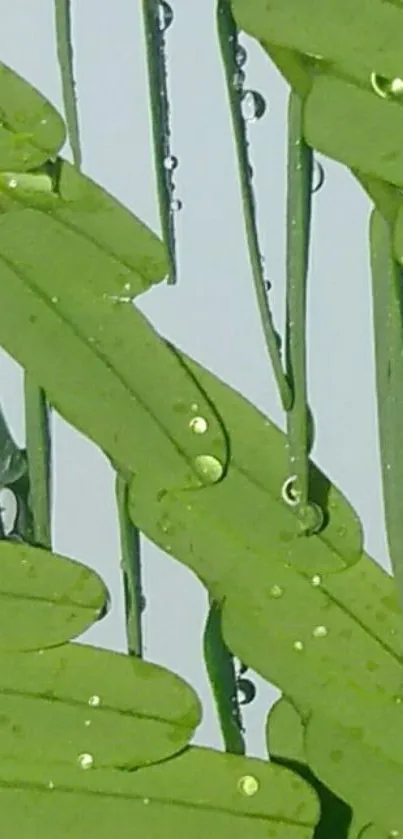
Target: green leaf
78, 700
359, 754
31, 130
110, 374
45, 599
216, 530
197, 793
285, 742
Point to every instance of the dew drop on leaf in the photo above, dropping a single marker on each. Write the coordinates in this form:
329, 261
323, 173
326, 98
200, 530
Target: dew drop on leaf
85, 760
311, 518
289, 494
387, 88
298, 645
198, 425
8, 509
209, 468
176, 205
276, 591
320, 632
248, 785
253, 105
241, 56
94, 701
238, 80
170, 163
246, 690
316, 580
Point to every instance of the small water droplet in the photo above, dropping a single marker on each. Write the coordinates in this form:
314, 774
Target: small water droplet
238, 80
387, 87
94, 701
209, 468
319, 177
298, 645
127, 286
394, 833
241, 56
248, 785
87, 723
165, 15
320, 632
276, 591
198, 425
85, 760
311, 518
316, 580
247, 691
51, 785
253, 105
176, 205
54, 299
12, 183
146, 800
171, 163
289, 494
398, 700
194, 406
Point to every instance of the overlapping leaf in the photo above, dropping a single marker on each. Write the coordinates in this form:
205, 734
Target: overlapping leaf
197, 793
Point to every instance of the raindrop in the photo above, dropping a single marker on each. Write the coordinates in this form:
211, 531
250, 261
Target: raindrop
87, 723
165, 15
127, 286
94, 701
394, 833
247, 691
8, 510
288, 492
209, 468
146, 800
248, 785
85, 760
316, 580
311, 518
298, 645
253, 105
194, 406
387, 87
55, 299
51, 785
320, 632
276, 591
198, 425
176, 205
12, 183
320, 177
238, 80
170, 163
241, 56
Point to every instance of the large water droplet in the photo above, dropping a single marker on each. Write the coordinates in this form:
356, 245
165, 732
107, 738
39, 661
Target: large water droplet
320, 632
165, 15
246, 690
85, 760
276, 591
241, 56
253, 105
171, 163
248, 785
94, 701
198, 425
176, 205
209, 468
289, 493
319, 177
387, 87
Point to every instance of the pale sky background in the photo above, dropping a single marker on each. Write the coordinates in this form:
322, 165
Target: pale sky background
212, 313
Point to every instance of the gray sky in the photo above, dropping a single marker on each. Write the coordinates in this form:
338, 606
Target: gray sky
212, 313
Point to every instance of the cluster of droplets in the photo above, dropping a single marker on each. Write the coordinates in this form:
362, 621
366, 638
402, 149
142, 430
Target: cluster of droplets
165, 18
253, 104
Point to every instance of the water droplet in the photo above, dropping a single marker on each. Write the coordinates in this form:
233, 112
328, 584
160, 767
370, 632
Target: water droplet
171, 163
298, 645
85, 760
127, 286
209, 468
248, 785
387, 87
165, 15
8, 510
253, 105
194, 406
398, 700
51, 785
176, 205
94, 701
12, 183
394, 833
319, 632
311, 518
288, 492
198, 425
316, 580
55, 299
276, 591
320, 177
146, 800
247, 691
241, 56
238, 80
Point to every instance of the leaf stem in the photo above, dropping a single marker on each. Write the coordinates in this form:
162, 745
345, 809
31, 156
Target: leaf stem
66, 65
38, 448
131, 569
